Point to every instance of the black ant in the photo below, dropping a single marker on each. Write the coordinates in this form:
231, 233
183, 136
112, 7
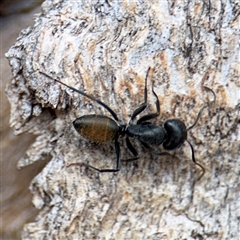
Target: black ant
100, 128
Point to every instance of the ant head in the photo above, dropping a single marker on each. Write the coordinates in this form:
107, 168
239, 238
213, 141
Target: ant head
176, 134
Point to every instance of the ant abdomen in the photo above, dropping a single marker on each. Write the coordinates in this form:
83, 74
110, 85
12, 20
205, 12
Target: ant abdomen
97, 128
176, 134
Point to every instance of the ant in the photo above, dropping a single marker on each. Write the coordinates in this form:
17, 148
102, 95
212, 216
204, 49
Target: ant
100, 128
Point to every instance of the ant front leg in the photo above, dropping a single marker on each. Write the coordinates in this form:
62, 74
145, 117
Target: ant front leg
152, 150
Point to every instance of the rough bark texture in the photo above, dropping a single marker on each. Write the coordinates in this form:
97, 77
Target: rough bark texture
105, 48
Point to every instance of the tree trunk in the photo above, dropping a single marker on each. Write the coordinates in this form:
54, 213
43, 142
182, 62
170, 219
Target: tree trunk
105, 49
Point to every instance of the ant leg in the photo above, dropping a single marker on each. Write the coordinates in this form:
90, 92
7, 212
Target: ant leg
144, 104
151, 149
152, 115
101, 170
193, 159
205, 106
86, 95
117, 148
133, 151
76, 164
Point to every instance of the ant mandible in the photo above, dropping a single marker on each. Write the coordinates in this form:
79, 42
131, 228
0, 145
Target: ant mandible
100, 128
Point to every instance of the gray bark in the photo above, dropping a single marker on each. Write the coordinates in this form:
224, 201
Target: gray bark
105, 50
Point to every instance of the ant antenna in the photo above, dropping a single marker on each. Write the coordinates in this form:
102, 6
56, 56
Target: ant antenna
193, 159
198, 116
205, 106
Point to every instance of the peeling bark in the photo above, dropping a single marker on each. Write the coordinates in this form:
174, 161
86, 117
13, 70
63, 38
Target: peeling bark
105, 50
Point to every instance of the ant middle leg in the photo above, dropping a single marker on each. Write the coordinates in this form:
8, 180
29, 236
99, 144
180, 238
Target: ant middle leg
132, 150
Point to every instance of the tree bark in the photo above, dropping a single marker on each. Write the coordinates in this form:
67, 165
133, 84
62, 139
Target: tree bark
104, 49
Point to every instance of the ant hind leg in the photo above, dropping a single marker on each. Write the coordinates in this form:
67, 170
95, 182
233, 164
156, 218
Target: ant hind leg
117, 148
144, 104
